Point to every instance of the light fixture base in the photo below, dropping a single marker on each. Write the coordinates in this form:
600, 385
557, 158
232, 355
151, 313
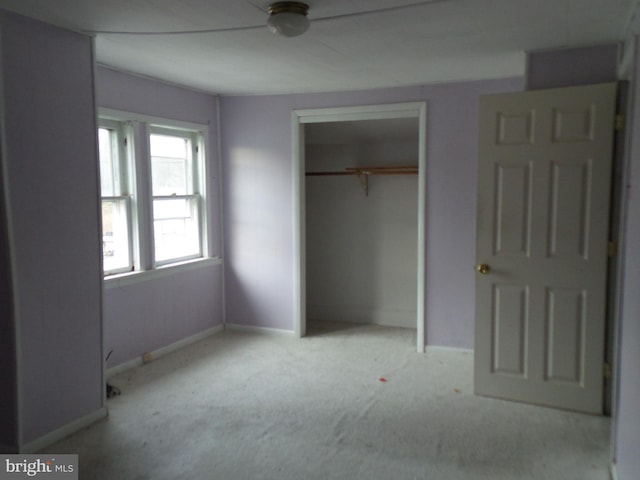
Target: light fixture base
288, 19
289, 7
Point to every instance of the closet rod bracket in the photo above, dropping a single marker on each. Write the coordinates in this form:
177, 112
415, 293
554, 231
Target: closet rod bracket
364, 181
363, 173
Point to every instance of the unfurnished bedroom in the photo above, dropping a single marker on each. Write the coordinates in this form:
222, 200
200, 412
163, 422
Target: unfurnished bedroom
348, 240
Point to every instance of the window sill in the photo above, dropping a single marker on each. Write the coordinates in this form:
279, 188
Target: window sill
130, 278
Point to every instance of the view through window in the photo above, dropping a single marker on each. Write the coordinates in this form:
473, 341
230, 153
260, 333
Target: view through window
143, 228
116, 244
176, 203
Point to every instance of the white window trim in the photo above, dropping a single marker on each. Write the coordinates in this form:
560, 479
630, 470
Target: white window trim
123, 186
132, 278
198, 187
128, 268
137, 128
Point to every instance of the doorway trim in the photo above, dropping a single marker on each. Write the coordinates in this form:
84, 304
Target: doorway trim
344, 114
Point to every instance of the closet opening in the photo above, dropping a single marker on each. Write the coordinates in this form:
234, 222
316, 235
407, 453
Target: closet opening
359, 209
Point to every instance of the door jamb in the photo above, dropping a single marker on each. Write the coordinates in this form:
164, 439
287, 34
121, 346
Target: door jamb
342, 114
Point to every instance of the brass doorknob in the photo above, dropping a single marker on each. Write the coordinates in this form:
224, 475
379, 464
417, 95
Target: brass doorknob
483, 268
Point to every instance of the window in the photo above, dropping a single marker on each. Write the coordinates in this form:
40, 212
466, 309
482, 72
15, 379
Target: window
176, 195
116, 205
152, 193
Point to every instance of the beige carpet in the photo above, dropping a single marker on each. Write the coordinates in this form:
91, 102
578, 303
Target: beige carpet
250, 406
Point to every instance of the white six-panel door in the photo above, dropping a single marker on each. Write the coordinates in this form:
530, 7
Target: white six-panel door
543, 202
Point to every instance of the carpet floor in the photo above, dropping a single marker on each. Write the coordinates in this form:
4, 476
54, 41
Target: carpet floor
346, 402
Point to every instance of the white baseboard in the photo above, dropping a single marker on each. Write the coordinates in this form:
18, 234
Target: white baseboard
614, 471
52, 437
437, 348
252, 329
160, 352
386, 317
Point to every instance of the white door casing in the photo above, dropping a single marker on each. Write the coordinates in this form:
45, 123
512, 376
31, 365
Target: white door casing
543, 206
344, 114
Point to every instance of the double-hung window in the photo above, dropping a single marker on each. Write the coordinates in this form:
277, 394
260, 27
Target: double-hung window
152, 178
116, 202
177, 199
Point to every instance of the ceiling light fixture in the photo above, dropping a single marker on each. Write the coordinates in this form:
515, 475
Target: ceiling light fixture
300, 11
288, 19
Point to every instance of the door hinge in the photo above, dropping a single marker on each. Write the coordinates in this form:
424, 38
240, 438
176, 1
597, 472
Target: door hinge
125, 141
612, 249
606, 371
619, 122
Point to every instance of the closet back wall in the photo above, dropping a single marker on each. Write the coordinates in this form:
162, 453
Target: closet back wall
362, 250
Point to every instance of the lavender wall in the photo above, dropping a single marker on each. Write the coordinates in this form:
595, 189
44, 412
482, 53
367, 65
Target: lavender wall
627, 433
258, 201
52, 175
572, 66
145, 316
152, 314
135, 94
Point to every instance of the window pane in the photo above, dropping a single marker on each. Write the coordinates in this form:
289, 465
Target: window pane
176, 228
115, 236
107, 163
170, 165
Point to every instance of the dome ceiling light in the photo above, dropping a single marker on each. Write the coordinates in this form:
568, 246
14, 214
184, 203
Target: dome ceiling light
288, 19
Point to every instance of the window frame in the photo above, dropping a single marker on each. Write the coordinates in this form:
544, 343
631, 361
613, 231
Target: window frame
137, 130
197, 187
121, 174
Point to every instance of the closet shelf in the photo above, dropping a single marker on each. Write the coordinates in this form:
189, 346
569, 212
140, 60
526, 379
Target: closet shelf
363, 173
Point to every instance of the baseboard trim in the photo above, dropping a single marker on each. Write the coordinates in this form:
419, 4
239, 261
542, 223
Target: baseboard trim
613, 471
162, 351
437, 348
234, 327
384, 317
63, 432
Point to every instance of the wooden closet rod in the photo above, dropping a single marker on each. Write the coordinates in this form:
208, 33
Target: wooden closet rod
393, 170
363, 173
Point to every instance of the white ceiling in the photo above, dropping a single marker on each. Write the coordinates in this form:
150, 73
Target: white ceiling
367, 43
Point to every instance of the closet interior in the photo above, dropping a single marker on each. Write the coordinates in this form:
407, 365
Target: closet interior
362, 221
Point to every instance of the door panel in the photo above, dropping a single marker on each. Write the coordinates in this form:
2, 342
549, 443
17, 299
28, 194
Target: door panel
565, 321
569, 215
543, 195
513, 203
510, 329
